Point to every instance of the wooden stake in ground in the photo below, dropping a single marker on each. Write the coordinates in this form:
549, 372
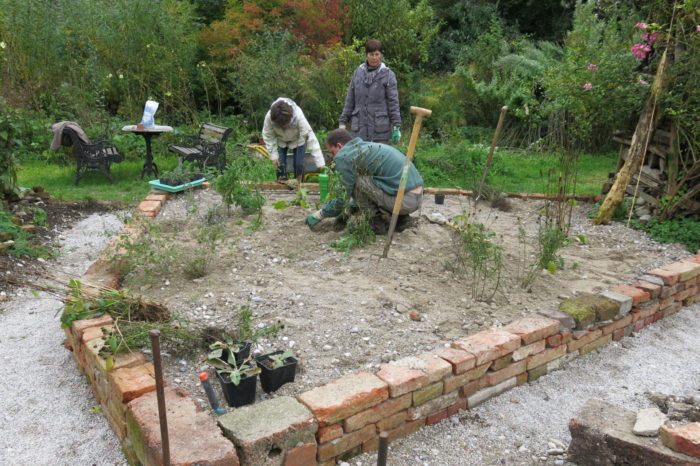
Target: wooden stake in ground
499, 125
635, 156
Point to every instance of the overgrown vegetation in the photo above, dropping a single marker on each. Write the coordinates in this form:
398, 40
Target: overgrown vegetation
685, 231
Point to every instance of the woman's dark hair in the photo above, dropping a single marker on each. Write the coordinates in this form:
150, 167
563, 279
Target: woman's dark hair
281, 113
338, 136
373, 45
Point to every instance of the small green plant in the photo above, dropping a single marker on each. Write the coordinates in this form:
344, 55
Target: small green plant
181, 174
684, 230
358, 234
550, 239
246, 332
279, 359
478, 256
22, 244
222, 358
300, 199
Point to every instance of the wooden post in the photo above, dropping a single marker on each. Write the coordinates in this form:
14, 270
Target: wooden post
640, 140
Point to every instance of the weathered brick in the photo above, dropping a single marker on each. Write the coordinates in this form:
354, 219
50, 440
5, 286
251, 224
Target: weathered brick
537, 372
638, 314
595, 344
588, 337
668, 276
149, 207
158, 196
685, 269
638, 295
130, 383
345, 443
378, 412
672, 309
534, 348
457, 407
392, 421
684, 438
301, 456
500, 363
533, 328
465, 391
566, 321
618, 334
689, 301
668, 291
435, 418
269, 428
406, 429
428, 393
638, 325
453, 383
433, 366
80, 326
653, 289
328, 433
120, 360
545, 356
618, 324
460, 360
494, 378
566, 337
487, 393
92, 333
581, 312
401, 379
554, 340
432, 406
489, 344
193, 435
344, 397
681, 295
623, 301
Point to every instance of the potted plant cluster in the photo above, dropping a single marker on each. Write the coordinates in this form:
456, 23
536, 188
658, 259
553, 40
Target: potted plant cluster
179, 178
235, 370
276, 369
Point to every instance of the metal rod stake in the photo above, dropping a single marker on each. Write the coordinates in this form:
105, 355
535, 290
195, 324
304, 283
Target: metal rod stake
383, 448
157, 364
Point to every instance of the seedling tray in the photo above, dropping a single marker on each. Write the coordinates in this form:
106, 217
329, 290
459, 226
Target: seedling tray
175, 189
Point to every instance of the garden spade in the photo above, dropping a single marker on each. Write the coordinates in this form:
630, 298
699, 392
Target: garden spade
420, 113
501, 118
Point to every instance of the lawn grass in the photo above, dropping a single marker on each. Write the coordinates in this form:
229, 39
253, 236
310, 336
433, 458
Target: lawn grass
59, 181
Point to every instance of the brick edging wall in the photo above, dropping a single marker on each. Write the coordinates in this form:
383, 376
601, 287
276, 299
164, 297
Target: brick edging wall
346, 415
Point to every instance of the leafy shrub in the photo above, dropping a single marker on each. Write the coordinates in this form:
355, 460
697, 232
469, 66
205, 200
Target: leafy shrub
685, 231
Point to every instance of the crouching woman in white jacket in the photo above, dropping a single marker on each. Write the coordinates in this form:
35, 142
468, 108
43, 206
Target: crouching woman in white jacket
285, 129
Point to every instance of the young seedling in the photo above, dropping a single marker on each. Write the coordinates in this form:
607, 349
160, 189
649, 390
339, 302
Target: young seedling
278, 360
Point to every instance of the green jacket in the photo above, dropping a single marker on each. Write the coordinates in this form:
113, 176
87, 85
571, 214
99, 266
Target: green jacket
381, 162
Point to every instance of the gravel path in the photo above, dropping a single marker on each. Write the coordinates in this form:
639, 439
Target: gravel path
47, 415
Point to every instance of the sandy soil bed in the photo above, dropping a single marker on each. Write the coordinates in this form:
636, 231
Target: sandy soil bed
343, 313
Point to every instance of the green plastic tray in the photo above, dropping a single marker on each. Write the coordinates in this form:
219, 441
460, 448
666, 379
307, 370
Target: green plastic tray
175, 189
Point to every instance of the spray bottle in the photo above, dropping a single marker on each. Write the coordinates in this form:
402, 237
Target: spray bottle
323, 183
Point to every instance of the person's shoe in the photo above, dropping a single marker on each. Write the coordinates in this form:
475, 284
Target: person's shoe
403, 222
378, 225
340, 223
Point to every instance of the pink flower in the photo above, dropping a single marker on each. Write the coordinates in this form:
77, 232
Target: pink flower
641, 25
640, 50
587, 86
592, 67
643, 81
697, 28
650, 38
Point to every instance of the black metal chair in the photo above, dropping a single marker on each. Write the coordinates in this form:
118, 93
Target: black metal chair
91, 156
208, 147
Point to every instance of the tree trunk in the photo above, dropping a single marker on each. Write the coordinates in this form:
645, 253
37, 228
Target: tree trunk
637, 151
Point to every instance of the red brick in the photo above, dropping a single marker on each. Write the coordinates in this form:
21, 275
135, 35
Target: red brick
457, 407
489, 344
92, 333
392, 421
433, 406
469, 389
453, 383
672, 309
546, 356
681, 295
346, 442
344, 397
494, 378
669, 277
301, 456
684, 439
406, 429
554, 340
584, 340
131, 382
638, 326
618, 334
533, 348
159, 196
328, 433
435, 418
533, 328
595, 344
79, 326
618, 324
638, 295
653, 289
686, 270
638, 314
521, 379
668, 291
193, 434
461, 360
566, 337
149, 207
401, 379
433, 366
376, 413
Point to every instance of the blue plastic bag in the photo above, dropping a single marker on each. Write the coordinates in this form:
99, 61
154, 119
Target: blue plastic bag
148, 113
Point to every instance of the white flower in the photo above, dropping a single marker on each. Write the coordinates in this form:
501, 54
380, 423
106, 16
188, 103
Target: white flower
121, 76
2, 45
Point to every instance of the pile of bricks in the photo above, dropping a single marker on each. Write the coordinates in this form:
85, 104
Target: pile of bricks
344, 418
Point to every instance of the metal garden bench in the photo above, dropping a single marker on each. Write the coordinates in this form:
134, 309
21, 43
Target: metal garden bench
208, 147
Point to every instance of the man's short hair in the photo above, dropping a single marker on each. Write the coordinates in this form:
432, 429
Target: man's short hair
338, 136
281, 113
373, 45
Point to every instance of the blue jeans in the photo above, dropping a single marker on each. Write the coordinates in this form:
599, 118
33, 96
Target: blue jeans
298, 161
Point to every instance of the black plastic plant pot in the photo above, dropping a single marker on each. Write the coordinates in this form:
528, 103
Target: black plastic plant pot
439, 198
241, 355
241, 394
272, 379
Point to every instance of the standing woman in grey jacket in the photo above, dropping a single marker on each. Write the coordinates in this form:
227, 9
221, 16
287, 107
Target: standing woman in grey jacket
372, 102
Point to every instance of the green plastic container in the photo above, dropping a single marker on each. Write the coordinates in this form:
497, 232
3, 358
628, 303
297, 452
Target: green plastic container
323, 183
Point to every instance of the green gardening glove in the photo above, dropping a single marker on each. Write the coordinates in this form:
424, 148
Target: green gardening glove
396, 135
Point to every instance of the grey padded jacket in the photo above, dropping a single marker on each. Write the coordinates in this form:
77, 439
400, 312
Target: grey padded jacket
372, 104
